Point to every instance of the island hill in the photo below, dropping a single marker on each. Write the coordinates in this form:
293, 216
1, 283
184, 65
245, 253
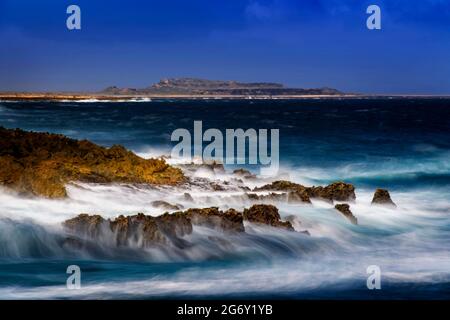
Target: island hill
201, 87
185, 88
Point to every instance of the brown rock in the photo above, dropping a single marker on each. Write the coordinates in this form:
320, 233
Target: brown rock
228, 221
300, 196
338, 191
266, 214
175, 225
88, 225
140, 229
383, 197
345, 210
42, 163
282, 185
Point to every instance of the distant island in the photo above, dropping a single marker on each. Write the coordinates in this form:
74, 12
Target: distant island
192, 86
184, 88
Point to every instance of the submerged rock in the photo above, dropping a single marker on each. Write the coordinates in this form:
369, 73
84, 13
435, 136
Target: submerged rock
244, 174
212, 167
166, 206
345, 210
383, 197
42, 163
266, 214
187, 197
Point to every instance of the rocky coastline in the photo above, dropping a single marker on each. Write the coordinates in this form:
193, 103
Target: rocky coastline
42, 164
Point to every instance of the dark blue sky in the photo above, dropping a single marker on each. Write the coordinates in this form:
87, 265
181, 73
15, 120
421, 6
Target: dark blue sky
302, 43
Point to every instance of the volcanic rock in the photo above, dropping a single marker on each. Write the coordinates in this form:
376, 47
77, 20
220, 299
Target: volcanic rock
383, 197
228, 221
338, 191
42, 163
345, 210
146, 231
266, 214
140, 229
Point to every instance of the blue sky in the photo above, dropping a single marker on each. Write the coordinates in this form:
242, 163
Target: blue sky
301, 43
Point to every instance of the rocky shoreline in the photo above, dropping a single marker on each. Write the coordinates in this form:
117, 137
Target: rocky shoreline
41, 164
169, 228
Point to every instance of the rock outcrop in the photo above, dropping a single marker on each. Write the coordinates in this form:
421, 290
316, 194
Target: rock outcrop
266, 214
345, 210
228, 221
338, 191
42, 163
168, 229
140, 229
382, 197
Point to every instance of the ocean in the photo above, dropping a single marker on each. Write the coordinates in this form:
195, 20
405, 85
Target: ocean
400, 144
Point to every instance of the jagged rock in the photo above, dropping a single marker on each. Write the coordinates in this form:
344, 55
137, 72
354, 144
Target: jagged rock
176, 224
298, 197
383, 197
345, 210
42, 163
228, 221
266, 214
141, 229
338, 191
281, 185
135, 229
166, 206
146, 231
244, 174
85, 224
